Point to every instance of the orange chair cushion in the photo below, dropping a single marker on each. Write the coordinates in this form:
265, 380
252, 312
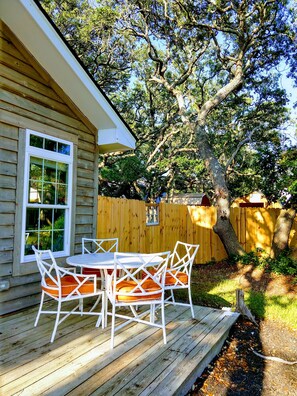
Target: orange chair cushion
128, 286
91, 271
68, 284
170, 280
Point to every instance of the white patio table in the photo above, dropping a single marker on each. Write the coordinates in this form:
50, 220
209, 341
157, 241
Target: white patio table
101, 261
104, 262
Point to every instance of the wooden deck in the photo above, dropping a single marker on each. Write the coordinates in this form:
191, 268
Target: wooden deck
79, 362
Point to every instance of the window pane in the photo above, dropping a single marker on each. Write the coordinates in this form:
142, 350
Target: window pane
50, 145
36, 141
64, 148
50, 173
62, 173
45, 240
46, 219
58, 241
62, 194
35, 192
59, 219
35, 168
32, 219
49, 193
31, 239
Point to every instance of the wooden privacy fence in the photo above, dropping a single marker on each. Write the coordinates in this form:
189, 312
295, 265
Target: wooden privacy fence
126, 219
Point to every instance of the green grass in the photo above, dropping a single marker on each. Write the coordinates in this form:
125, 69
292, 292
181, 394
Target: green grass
279, 308
216, 288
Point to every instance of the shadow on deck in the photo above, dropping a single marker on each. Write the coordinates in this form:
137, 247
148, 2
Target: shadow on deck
79, 362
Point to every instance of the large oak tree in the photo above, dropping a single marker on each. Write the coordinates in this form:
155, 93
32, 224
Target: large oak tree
202, 83
201, 53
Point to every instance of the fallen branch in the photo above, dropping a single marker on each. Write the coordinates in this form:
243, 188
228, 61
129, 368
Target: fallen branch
276, 359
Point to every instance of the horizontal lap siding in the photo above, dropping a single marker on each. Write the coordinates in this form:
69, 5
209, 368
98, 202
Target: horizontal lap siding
29, 101
8, 174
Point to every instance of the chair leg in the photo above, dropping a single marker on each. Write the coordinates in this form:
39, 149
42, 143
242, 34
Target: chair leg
40, 309
81, 306
105, 309
57, 321
101, 318
112, 327
172, 296
133, 310
163, 323
191, 302
152, 313
96, 303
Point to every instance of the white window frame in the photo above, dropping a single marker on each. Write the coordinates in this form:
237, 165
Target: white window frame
53, 156
152, 214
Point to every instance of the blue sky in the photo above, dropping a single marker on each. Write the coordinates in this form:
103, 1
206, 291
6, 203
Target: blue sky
288, 85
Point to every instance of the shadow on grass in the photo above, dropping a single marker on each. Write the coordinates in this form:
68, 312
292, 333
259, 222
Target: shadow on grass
236, 370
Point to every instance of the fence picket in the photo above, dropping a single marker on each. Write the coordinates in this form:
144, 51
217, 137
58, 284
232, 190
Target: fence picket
126, 220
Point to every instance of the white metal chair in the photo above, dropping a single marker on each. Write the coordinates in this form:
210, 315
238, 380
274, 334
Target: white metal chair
64, 285
103, 245
178, 275
132, 283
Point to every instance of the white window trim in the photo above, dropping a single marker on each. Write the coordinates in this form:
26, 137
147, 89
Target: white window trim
156, 208
44, 154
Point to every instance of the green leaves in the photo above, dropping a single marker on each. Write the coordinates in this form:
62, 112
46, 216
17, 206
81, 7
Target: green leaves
127, 170
162, 63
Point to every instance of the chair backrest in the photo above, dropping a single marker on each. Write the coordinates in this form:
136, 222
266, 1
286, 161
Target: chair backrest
49, 271
138, 276
59, 282
99, 245
183, 256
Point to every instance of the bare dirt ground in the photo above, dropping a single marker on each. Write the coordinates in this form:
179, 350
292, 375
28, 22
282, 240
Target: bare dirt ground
237, 370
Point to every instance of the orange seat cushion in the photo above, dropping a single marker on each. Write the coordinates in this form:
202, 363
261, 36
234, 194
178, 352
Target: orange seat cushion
91, 271
128, 286
170, 280
68, 284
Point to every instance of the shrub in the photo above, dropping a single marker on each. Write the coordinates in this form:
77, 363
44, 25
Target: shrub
283, 264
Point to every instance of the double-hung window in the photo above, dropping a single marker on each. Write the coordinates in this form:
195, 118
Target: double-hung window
47, 195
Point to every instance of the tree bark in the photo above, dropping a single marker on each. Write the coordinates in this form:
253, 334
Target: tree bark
223, 227
282, 231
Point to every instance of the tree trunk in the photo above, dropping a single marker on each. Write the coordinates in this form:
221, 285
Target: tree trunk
282, 231
223, 227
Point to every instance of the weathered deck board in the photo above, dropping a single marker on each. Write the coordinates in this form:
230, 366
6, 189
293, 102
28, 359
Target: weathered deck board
79, 362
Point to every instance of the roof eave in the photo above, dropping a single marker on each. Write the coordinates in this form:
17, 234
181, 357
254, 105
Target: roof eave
34, 29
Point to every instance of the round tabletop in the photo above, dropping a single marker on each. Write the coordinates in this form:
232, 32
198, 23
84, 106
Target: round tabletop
105, 260
92, 260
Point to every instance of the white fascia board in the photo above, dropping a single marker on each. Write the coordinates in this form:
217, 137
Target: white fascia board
33, 29
111, 140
